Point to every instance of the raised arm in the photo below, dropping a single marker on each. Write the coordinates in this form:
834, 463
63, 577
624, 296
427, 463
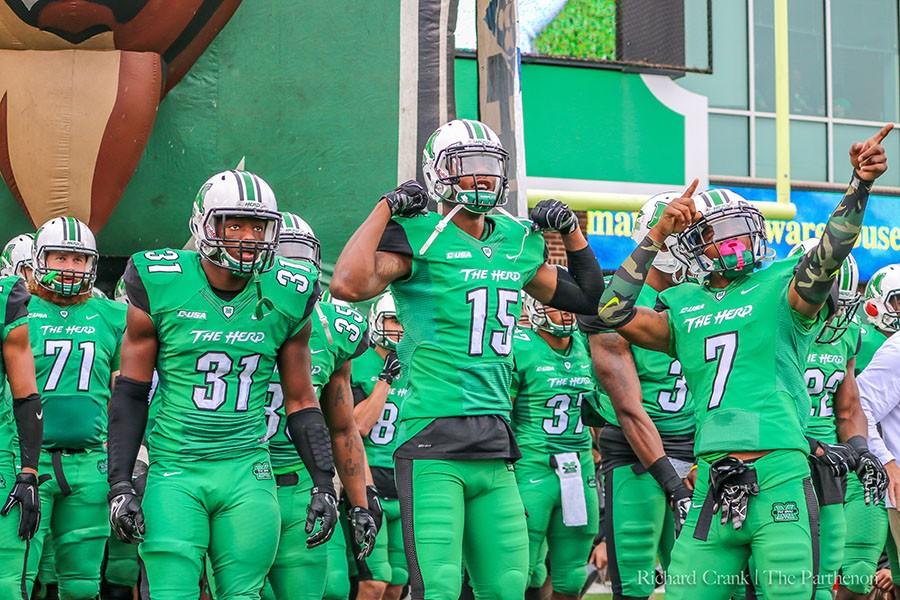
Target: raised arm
361, 271
577, 289
815, 275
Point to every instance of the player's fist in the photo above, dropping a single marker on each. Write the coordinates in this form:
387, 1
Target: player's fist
391, 369
364, 531
553, 215
680, 500
408, 199
374, 503
872, 476
25, 494
322, 509
125, 515
677, 216
868, 158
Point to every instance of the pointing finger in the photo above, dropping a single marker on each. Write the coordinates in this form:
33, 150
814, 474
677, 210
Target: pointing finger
691, 188
883, 133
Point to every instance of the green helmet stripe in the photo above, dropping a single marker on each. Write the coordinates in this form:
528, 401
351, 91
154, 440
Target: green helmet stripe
69, 229
250, 189
716, 197
468, 125
479, 130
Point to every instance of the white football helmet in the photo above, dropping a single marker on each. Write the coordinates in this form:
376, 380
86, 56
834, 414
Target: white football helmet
539, 319
646, 218
65, 234
882, 298
726, 217
235, 194
381, 309
297, 240
848, 297
466, 148
17, 255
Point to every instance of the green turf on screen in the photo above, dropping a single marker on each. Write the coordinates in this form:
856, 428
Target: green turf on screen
583, 29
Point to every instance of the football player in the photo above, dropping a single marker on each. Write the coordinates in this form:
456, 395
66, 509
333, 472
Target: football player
647, 445
378, 391
213, 323
16, 257
338, 335
21, 435
456, 276
742, 338
551, 380
863, 544
75, 339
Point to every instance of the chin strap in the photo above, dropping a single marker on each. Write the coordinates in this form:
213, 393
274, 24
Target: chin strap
263, 304
324, 321
442, 224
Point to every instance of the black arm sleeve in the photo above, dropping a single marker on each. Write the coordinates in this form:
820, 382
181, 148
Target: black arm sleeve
134, 288
128, 410
394, 240
16, 303
358, 394
313, 443
311, 303
30, 428
578, 290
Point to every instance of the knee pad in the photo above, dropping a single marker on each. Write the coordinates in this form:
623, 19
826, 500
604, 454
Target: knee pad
79, 589
399, 575
569, 581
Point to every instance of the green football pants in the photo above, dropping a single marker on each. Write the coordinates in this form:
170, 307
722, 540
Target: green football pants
298, 572
47, 567
833, 531
227, 508
337, 581
450, 510
12, 549
388, 560
778, 534
864, 540
121, 563
568, 547
74, 512
639, 528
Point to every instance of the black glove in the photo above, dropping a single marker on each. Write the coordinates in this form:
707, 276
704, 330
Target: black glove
322, 509
680, 501
125, 515
25, 494
408, 200
391, 369
374, 505
676, 492
870, 471
554, 215
839, 458
364, 530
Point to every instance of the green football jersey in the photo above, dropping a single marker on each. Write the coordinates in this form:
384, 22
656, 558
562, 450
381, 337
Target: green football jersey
76, 351
871, 340
664, 391
458, 307
14, 303
548, 389
337, 333
215, 357
826, 367
380, 442
743, 352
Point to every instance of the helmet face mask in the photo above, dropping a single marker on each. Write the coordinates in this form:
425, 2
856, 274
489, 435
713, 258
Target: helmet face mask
56, 240
464, 163
228, 200
730, 240
556, 322
296, 240
385, 329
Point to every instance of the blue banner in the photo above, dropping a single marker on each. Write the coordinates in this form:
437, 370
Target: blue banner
609, 232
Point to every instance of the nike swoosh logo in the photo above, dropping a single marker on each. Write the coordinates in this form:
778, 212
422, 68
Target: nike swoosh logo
91, 317
40, 415
534, 480
749, 289
612, 302
315, 351
170, 473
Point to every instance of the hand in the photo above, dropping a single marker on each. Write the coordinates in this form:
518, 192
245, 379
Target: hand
25, 494
599, 556
680, 501
322, 509
691, 480
553, 215
868, 158
893, 473
391, 369
125, 515
364, 530
839, 458
677, 216
872, 476
408, 199
374, 506
883, 580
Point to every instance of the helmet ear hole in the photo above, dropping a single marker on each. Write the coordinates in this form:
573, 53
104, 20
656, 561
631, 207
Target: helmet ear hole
871, 309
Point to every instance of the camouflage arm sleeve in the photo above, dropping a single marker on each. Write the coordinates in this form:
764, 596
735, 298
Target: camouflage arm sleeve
617, 305
817, 269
